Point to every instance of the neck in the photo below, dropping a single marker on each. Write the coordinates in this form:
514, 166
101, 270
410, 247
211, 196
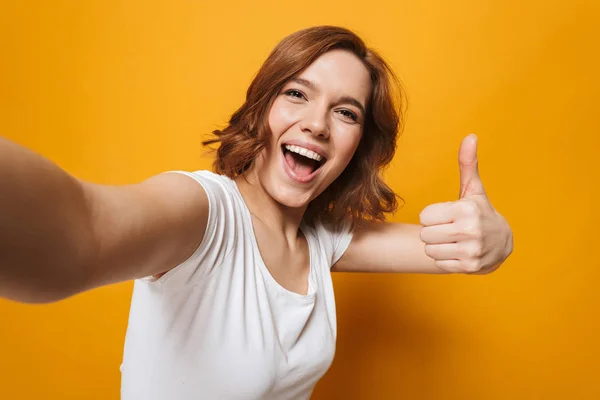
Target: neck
262, 206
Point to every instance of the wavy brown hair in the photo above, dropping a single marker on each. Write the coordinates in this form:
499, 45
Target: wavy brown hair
359, 193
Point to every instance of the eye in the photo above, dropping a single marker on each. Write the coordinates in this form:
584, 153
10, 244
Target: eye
349, 114
295, 93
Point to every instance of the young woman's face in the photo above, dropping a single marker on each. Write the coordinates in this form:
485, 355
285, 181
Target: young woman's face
317, 122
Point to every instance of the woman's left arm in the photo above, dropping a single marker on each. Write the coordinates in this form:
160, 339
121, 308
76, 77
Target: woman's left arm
466, 236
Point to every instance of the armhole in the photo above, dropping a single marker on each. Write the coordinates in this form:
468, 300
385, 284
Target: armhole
163, 276
342, 238
334, 239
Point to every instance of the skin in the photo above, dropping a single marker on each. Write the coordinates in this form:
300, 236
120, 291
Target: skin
324, 108
466, 236
61, 236
463, 236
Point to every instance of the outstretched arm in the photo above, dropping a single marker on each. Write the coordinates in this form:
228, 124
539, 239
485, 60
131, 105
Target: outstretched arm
467, 235
60, 236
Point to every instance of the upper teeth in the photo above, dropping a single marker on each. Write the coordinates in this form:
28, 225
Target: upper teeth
304, 152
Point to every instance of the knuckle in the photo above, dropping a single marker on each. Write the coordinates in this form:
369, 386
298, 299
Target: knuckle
473, 229
471, 250
476, 250
469, 208
457, 234
471, 266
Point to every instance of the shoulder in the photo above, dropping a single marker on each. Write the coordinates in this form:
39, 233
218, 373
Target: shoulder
220, 189
224, 200
209, 180
221, 224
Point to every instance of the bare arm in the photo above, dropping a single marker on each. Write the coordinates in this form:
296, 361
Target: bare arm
457, 246
60, 236
467, 235
387, 247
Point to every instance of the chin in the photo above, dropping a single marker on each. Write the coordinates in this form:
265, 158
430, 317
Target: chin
290, 197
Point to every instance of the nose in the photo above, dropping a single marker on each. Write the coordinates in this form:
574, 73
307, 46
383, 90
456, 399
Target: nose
315, 122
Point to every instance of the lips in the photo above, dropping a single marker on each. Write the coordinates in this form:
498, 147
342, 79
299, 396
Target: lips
309, 146
302, 161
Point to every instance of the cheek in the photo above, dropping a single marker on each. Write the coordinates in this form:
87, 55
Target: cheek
346, 146
280, 118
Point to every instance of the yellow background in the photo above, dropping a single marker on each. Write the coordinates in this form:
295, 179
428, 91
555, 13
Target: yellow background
116, 91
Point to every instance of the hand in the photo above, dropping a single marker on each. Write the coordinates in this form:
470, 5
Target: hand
467, 235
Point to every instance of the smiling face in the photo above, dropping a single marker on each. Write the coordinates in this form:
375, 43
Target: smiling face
316, 122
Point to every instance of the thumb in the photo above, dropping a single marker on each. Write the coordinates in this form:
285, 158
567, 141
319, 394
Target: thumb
470, 183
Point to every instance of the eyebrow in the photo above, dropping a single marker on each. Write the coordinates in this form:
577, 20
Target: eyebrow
343, 99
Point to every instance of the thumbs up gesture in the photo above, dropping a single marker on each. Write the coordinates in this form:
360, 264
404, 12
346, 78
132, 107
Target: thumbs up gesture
467, 235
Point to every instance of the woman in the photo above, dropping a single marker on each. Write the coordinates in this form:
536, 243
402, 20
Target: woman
233, 296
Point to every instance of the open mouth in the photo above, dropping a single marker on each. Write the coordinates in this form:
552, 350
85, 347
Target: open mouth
302, 162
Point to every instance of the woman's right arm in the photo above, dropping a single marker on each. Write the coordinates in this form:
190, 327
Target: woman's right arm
60, 236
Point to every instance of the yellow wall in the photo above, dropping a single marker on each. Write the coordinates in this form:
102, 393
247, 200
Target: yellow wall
115, 91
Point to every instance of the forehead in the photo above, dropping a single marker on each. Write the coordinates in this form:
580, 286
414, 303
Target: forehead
340, 73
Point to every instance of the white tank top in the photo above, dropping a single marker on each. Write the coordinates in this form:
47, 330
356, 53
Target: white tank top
219, 326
